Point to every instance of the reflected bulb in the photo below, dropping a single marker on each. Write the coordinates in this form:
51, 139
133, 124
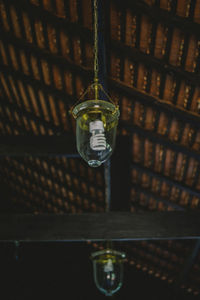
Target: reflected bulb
108, 270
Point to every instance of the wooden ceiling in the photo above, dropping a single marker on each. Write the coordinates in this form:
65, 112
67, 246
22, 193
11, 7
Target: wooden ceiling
150, 59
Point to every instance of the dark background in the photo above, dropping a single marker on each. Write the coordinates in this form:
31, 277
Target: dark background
64, 271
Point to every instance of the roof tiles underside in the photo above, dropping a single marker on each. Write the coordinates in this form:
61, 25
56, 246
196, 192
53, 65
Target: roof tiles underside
37, 74
154, 74
40, 46
165, 260
53, 185
153, 71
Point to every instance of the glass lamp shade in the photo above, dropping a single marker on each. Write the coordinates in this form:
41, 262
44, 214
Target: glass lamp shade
108, 270
96, 124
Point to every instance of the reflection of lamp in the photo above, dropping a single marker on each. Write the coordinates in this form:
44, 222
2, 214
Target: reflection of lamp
108, 270
96, 119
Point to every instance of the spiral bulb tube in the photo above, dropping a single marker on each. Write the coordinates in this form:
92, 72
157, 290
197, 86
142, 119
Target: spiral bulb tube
98, 139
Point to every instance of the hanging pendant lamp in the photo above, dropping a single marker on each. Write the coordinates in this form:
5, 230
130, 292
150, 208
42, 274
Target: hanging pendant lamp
108, 269
96, 117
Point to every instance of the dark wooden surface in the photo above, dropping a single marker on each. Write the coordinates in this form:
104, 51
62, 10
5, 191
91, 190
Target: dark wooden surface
120, 174
101, 226
38, 145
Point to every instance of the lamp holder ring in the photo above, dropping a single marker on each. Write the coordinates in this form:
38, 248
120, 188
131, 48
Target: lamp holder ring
96, 87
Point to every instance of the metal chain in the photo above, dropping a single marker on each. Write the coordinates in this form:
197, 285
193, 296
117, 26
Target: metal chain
96, 87
96, 63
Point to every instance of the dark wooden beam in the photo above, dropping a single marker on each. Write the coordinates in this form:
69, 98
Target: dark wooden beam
150, 61
38, 85
180, 185
38, 145
21, 111
156, 14
59, 60
120, 174
119, 86
34, 11
148, 100
157, 197
107, 180
103, 226
160, 139
6, 206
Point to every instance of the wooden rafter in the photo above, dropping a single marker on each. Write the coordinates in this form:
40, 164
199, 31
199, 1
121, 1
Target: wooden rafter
104, 226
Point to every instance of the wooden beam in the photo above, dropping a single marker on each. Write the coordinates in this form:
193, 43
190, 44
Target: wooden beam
151, 61
121, 174
157, 197
156, 14
38, 145
159, 104
38, 84
107, 180
180, 185
99, 227
34, 11
59, 60
21, 111
160, 139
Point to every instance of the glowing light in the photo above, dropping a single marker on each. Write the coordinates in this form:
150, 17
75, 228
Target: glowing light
108, 270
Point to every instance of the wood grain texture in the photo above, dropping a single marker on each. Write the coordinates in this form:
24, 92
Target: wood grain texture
101, 226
